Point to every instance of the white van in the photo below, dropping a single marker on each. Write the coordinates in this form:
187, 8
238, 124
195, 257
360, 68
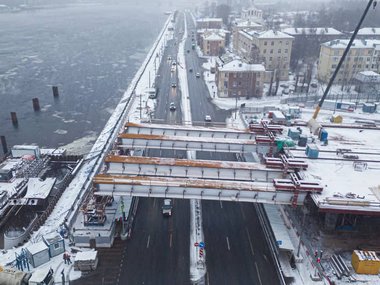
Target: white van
167, 207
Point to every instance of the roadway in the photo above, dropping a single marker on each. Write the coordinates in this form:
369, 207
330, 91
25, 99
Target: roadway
236, 249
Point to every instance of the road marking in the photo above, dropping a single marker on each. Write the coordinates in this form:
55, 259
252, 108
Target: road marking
228, 243
250, 242
147, 244
154, 202
171, 240
221, 205
242, 212
258, 273
208, 278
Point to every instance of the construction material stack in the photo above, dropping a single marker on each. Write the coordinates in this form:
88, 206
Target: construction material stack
365, 262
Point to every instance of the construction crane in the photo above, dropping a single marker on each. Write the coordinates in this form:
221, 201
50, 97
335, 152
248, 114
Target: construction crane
318, 108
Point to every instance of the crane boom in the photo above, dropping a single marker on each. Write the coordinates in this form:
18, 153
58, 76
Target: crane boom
318, 108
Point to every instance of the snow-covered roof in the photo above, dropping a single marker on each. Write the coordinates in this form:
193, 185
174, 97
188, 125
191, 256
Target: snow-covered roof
86, 255
10, 163
368, 76
37, 247
39, 189
210, 20
247, 23
312, 31
238, 65
370, 31
39, 275
213, 37
270, 34
341, 44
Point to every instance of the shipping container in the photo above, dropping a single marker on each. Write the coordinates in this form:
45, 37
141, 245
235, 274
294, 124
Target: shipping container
365, 262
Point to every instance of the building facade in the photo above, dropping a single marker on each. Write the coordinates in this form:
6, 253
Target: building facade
307, 42
209, 23
239, 79
270, 48
213, 44
240, 25
363, 55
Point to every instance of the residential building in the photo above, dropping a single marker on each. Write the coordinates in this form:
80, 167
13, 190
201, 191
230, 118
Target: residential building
239, 79
212, 44
239, 25
307, 42
363, 55
369, 33
221, 32
209, 23
271, 48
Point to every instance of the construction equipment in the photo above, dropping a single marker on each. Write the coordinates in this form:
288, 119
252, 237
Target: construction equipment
318, 108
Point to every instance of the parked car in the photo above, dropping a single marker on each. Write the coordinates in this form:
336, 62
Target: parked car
172, 106
207, 118
167, 207
190, 70
197, 75
174, 85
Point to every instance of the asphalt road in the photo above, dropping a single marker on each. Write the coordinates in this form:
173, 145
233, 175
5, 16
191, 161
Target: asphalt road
158, 252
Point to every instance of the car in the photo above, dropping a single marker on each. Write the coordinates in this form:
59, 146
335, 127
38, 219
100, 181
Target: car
167, 207
172, 106
174, 85
207, 118
173, 69
188, 51
190, 70
174, 63
169, 57
197, 75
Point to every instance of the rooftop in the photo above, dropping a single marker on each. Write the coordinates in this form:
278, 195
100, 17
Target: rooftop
341, 44
370, 31
237, 65
312, 31
270, 34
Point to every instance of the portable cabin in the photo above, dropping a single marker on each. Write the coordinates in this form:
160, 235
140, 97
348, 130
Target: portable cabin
55, 243
38, 254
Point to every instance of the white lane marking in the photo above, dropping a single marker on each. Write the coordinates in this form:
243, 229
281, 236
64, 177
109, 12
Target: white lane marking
250, 242
258, 274
208, 278
228, 243
242, 212
171, 240
147, 244
154, 202
221, 205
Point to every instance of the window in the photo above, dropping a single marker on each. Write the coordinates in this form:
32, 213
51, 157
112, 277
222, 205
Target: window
286, 50
270, 59
57, 245
226, 84
336, 52
264, 51
271, 51
265, 43
272, 43
287, 43
359, 66
279, 50
333, 66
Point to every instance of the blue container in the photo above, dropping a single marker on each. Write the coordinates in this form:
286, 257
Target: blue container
339, 105
323, 135
312, 151
369, 108
294, 134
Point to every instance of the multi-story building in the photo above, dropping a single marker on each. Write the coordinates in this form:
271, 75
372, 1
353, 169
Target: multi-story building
363, 55
212, 44
270, 48
252, 14
369, 33
239, 79
209, 23
307, 42
239, 25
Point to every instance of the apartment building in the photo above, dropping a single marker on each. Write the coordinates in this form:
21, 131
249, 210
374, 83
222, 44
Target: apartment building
367, 33
240, 25
212, 44
363, 55
307, 42
239, 79
270, 48
209, 23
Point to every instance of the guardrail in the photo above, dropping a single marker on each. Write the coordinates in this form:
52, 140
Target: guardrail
127, 100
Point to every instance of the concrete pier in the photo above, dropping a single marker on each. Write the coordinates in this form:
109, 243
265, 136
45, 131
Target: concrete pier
14, 118
36, 104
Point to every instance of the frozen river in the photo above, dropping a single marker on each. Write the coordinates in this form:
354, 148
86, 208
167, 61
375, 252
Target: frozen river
91, 52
